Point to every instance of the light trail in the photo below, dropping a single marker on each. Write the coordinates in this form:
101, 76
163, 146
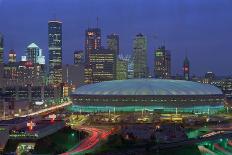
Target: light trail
218, 147
206, 150
96, 135
48, 109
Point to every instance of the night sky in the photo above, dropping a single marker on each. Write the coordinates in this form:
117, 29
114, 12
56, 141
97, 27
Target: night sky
203, 27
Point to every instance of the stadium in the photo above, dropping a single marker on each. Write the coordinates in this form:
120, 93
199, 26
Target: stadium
148, 94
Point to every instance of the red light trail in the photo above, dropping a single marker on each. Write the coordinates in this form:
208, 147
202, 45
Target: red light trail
90, 142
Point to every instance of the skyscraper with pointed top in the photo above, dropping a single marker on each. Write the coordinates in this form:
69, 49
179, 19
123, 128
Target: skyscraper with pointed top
186, 68
55, 51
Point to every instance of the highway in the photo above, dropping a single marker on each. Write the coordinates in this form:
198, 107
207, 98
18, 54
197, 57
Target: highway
192, 141
95, 136
48, 109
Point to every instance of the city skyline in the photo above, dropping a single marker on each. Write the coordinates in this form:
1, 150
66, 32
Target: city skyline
211, 36
115, 77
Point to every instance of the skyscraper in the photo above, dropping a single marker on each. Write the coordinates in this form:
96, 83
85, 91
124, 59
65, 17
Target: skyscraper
162, 64
102, 65
130, 68
113, 45
122, 68
55, 51
92, 42
12, 56
79, 57
186, 69
34, 54
1, 49
140, 56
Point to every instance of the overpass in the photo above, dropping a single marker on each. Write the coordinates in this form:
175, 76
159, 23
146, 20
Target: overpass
48, 110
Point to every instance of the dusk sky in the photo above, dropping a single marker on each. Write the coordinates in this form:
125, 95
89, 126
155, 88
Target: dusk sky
203, 27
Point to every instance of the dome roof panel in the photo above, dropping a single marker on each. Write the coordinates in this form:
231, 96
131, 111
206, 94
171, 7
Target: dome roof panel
148, 87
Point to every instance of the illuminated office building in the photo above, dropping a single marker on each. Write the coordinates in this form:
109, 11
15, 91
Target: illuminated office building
102, 65
88, 75
162, 63
113, 45
34, 54
186, 69
209, 78
140, 56
12, 56
92, 42
79, 57
122, 68
55, 51
130, 68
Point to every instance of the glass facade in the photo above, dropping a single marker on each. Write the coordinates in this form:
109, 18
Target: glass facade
92, 42
162, 68
140, 56
55, 51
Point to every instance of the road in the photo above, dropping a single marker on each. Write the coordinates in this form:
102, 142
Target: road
95, 136
192, 141
48, 109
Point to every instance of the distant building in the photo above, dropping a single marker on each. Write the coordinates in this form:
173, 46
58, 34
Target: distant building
186, 69
23, 73
140, 56
29, 73
30, 93
113, 45
162, 68
23, 58
11, 71
79, 57
12, 56
73, 74
92, 42
130, 68
122, 68
102, 65
1, 49
209, 78
226, 87
55, 51
34, 54
1, 61
113, 42
88, 74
